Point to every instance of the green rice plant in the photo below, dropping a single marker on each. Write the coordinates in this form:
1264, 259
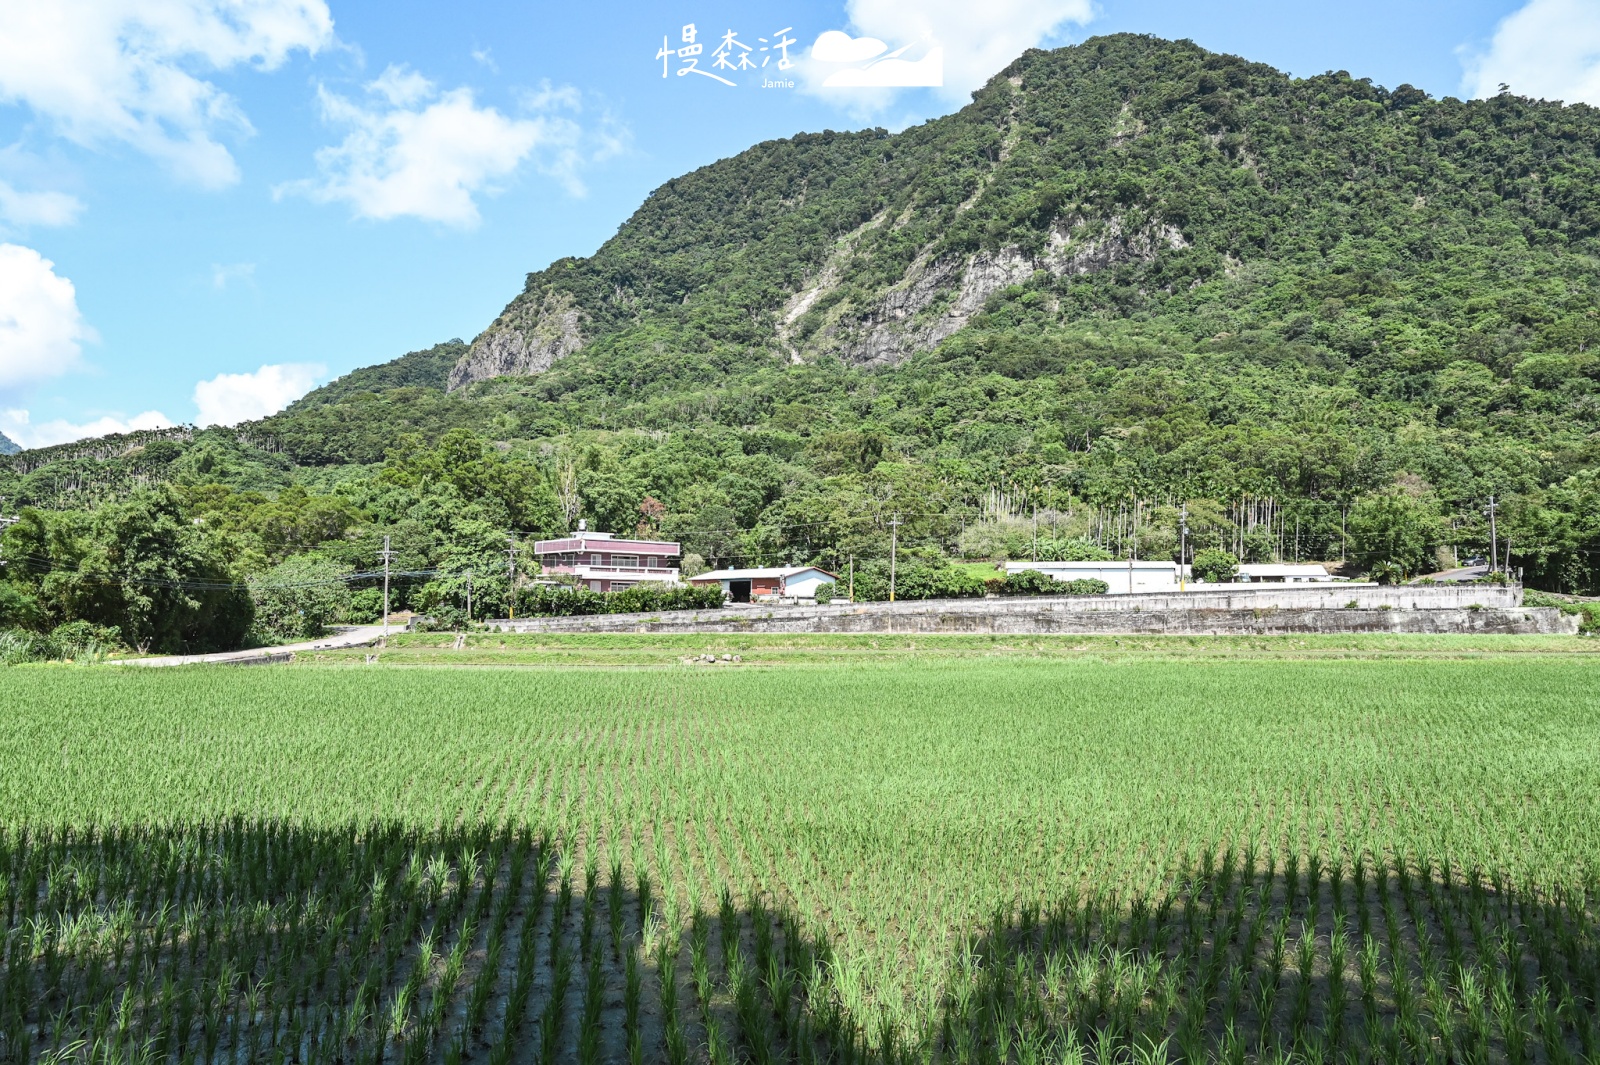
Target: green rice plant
221, 874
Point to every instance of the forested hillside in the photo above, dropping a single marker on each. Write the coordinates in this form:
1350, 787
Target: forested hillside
1326, 319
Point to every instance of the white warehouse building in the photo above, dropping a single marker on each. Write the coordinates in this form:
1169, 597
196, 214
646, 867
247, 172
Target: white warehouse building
1122, 578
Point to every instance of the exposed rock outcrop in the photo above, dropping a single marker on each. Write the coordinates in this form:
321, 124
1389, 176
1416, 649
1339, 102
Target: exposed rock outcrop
528, 338
908, 318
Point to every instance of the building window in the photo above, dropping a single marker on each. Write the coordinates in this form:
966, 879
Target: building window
625, 561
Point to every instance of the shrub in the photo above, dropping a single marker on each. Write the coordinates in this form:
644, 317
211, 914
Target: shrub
1214, 566
299, 598
825, 594
915, 579
1037, 582
81, 639
18, 646
77, 641
1386, 572
1031, 582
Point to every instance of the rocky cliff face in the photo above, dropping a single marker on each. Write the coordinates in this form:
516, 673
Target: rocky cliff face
527, 338
936, 299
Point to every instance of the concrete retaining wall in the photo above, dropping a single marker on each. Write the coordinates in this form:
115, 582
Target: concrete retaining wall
1231, 609
1264, 621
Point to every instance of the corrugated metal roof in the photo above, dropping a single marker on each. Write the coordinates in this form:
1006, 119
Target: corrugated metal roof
751, 574
1283, 569
1122, 564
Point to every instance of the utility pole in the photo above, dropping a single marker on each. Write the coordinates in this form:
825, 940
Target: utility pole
511, 573
852, 578
1183, 543
386, 555
1494, 541
1036, 532
469, 597
894, 543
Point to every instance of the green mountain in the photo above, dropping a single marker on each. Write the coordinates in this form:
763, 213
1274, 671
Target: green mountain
8, 446
1132, 282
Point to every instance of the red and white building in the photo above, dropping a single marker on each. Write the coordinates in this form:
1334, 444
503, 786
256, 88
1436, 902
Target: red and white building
603, 563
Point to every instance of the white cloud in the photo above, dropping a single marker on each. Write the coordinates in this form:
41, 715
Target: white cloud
224, 274
20, 427
978, 39
419, 152
129, 70
1549, 49
401, 86
41, 329
231, 398
19, 208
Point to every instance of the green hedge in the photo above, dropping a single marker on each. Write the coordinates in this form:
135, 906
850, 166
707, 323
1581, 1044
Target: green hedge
549, 601
1037, 582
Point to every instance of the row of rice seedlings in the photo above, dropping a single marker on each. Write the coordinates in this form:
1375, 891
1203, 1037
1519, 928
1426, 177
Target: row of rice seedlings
227, 942
1390, 961
897, 833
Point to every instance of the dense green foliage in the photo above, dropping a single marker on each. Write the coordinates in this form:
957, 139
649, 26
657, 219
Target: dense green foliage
555, 601
983, 861
1330, 318
1214, 565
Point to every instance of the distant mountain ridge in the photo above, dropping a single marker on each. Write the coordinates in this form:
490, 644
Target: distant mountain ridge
8, 446
1126, 177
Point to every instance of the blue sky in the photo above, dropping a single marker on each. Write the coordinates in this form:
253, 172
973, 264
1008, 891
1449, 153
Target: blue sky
209, 206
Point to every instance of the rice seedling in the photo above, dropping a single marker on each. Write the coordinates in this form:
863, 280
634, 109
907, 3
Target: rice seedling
964, 862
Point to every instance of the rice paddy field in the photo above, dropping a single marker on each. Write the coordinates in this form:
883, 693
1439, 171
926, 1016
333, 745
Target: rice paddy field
961, 852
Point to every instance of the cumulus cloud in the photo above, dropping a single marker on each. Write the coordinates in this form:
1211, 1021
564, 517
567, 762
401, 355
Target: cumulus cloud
231, 398
413, 150
20, 427
132, 70
977, 40
1549, 49
18, 208
41, 329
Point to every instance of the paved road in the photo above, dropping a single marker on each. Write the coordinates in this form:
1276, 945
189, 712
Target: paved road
351, 637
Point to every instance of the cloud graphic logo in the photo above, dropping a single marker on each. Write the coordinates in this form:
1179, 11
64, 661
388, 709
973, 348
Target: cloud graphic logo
835, 46
875, 69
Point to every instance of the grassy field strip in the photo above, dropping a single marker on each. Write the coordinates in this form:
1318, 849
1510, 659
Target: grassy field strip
638, 650
951, 856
